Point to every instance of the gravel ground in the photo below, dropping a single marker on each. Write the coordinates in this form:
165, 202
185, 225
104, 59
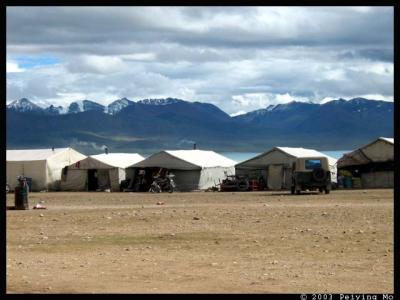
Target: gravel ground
202, 242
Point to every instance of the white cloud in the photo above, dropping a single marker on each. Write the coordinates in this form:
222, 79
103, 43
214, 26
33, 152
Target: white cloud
239, 58
377, 97
335, 74
238, 113
139, 56
13, 67
378, 68
326, 99
97, 64
253, 101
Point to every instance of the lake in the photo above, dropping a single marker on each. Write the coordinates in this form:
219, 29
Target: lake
242, 156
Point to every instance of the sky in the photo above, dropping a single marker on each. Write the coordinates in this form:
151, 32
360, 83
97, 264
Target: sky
238, 58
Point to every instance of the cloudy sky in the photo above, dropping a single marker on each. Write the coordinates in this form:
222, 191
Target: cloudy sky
239, 58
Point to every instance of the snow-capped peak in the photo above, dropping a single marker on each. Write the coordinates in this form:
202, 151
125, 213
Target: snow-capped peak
55, 110
23, 105
166, 101
84, 105
75, 107
117, 105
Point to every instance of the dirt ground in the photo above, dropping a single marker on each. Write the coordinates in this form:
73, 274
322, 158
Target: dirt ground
202, 242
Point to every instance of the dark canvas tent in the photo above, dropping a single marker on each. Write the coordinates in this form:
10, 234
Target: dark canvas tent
193, 169
373, 163
275, 166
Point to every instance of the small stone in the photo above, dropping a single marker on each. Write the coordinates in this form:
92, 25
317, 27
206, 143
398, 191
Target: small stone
324, 213
41, 215
274, 262
214, 264
196, 218
361, 231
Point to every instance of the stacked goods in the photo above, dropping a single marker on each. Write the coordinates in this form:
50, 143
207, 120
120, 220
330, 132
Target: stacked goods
356, 182
346, 178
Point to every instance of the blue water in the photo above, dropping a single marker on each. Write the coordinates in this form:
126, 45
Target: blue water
242, 156
336, 154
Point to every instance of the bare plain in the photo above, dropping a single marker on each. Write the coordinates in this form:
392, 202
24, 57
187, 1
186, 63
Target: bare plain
202, 242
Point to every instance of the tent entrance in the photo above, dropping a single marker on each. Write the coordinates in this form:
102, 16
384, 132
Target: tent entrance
275, 177
143, 178
93, 183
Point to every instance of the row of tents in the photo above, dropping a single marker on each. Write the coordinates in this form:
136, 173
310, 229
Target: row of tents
66, 169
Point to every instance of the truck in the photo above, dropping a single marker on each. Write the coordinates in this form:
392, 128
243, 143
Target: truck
311, 173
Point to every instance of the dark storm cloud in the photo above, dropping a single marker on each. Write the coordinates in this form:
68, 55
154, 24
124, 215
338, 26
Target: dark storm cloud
58, 26
380, 54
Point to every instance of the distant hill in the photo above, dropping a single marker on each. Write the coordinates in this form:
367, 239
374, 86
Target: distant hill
153, 124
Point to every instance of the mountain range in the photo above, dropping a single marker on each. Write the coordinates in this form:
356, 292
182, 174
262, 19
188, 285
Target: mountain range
154, 124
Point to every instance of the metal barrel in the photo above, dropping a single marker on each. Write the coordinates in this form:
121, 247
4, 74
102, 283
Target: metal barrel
21, 197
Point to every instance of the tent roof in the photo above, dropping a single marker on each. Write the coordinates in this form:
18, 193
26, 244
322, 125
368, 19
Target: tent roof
296, 152
202, 158
185, 160
32, 154
120, 160
360, 157
390, 140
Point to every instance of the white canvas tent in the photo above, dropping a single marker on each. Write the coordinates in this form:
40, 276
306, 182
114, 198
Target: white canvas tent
193, 169
275, 166
98, 172
374, 163
44, 166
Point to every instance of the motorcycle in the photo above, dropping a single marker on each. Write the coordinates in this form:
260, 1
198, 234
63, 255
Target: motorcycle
162, 184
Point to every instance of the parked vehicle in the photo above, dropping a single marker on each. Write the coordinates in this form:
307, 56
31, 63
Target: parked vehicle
234, 183
162, 184
311, 173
